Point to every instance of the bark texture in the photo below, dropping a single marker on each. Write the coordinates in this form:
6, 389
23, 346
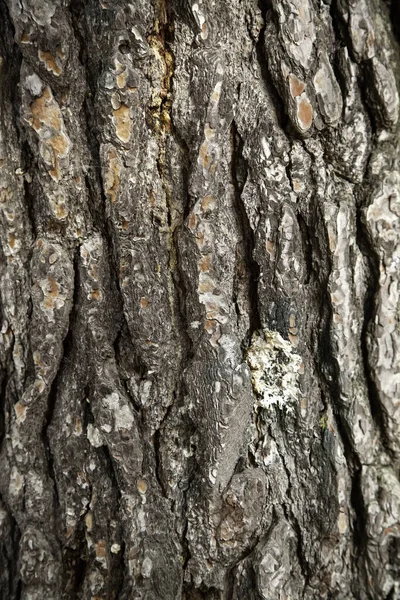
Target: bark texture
200, 319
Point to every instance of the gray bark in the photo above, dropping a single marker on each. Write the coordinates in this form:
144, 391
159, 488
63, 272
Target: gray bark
200, 319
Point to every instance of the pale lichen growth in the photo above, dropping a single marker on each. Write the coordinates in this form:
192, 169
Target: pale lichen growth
94, 436
275, 370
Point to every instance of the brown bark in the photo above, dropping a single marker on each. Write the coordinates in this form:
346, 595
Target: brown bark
200, 241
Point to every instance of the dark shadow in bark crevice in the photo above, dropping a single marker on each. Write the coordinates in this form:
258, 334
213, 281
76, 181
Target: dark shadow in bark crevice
126, 360
329, 375
12, 65
94, 178
239, 174
68, 347
290, 515
395, 18
267, 13
307, 246
3, 385
76, 562
10, 582
11, 91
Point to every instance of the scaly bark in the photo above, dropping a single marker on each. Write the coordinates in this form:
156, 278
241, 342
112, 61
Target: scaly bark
199, 228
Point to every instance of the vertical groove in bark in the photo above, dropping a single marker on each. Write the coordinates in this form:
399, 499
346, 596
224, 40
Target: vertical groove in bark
10, 379
250, 268
331, 382
377, 411
265, 8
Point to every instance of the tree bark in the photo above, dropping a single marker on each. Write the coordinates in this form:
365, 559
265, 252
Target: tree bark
200, 318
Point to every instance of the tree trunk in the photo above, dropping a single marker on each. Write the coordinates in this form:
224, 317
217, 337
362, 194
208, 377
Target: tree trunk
200, 317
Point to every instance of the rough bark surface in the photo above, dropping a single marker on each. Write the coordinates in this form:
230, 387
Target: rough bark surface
200, 318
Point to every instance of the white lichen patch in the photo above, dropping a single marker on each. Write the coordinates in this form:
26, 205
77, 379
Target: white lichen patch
16, 482
123, 414
147, 567
275, 370
94, 436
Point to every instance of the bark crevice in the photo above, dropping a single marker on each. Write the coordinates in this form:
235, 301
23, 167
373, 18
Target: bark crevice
67, 349
330, 374
371, 258
239, 168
